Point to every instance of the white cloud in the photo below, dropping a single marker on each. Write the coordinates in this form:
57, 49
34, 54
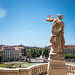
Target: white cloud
2, 13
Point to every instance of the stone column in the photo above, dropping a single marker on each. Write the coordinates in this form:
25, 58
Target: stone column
56, 65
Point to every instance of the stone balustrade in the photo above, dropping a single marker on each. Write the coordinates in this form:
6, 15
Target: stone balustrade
32, 70
39, 69
70, 70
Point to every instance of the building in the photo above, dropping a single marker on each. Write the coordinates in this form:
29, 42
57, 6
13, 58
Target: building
69, 49
8, 53
1, 53
18, 53
11, 53
1, 47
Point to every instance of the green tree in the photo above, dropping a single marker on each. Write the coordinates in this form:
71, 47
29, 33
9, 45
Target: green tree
0, 59
72, 56
45, 51
38, 53
33, 52
69, 56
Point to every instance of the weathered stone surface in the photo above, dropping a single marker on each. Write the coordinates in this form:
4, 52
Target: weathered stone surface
57, 35
56, 63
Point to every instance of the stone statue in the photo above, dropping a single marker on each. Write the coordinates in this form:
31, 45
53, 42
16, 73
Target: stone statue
56, 60
57, 35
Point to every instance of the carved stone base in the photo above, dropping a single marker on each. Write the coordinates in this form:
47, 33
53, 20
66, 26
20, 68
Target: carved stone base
56, 65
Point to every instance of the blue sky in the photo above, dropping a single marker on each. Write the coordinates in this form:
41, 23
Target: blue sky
24, 21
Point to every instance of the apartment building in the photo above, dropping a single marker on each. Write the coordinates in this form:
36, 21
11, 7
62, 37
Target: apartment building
8, 53
18, 53
11, 53
69, 49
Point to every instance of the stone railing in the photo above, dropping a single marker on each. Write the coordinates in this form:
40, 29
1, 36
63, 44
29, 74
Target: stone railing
32, 70
70, 70
39, 69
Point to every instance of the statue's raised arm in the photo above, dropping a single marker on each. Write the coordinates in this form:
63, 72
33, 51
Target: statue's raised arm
50, 19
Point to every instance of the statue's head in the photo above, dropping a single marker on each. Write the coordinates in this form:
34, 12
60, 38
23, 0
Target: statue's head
60, 16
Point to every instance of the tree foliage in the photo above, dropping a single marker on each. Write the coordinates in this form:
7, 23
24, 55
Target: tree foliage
38, 53
45, 51
33, 52
69, 56
0, 59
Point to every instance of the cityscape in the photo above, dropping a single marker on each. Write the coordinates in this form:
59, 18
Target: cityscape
37, 37
22, 53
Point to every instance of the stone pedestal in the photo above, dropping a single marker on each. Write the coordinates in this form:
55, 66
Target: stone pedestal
56, 65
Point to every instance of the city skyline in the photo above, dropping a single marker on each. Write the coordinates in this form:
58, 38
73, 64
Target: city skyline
24, 21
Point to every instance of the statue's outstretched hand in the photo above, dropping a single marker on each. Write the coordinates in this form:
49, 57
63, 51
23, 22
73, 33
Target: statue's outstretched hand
49, 15
50, 19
